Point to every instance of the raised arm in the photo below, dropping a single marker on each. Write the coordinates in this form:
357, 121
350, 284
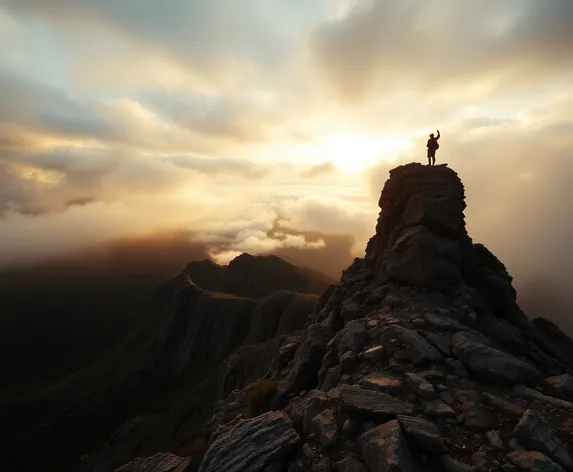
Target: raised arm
438, 136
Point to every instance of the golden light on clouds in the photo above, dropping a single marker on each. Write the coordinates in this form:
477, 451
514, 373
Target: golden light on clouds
355, 152
229, 120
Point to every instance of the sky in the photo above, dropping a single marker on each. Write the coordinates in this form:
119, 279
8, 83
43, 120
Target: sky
270, 125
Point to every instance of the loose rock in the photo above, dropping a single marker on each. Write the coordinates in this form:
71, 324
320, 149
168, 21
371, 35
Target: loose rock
561, 386
382, 383
385, 449
325, 427
533, 461
419, 385
490, 364
422, 433
416, 347
160, 462
375, 404
437, 408
534, 433
251, 444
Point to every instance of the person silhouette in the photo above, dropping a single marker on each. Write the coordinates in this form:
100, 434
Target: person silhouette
432, 148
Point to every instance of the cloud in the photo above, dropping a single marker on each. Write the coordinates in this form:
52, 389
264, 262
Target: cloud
239, 118
319, 170
214, 166
45, 110
384, 47
213, 37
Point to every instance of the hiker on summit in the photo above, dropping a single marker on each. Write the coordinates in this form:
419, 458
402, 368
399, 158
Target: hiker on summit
432, 148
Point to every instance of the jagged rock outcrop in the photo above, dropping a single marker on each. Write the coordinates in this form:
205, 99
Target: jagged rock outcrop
252, 445
417, 359
160, 462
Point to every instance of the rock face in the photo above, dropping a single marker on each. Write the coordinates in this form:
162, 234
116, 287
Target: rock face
418, 359
252, 445
533, 432
376, 405
489, 363
157, 463
533, 461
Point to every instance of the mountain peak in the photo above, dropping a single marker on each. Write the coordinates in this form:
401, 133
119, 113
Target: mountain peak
420, 237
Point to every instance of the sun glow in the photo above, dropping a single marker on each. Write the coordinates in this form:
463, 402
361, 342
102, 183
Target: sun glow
354, 153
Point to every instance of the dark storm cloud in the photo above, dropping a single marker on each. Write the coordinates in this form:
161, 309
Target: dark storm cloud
399, 44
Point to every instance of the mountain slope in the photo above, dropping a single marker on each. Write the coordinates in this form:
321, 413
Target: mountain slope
180, 348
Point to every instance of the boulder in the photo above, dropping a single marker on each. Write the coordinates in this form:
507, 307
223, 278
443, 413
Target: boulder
535, 434
442, 341
449, 464
251, 445
502, 405
382, 383
526, 392
349, 465
424, 259
503, 334
325, 427
351, 310
306, 362
422, 433
533, 461
332, 378
354, 337
490, 364
302, 410
561, 386
385, 449
416, 347
419, 385
160, 462
494, 439
437, 408
373, 404
476, 416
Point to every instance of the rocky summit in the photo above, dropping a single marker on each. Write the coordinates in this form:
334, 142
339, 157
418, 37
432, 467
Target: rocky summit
418, 359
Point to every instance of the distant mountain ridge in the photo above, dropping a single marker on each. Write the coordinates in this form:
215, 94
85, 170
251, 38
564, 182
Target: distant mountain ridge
256, 276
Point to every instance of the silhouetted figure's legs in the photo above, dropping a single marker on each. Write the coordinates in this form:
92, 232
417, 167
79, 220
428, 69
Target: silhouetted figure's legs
433, 159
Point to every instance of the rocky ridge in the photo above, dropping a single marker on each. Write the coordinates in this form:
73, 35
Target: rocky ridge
419, 359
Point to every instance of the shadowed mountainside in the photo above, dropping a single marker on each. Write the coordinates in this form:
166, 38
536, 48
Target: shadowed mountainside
179, 347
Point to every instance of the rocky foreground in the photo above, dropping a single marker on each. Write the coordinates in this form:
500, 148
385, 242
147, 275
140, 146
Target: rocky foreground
419, 359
